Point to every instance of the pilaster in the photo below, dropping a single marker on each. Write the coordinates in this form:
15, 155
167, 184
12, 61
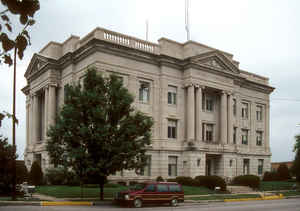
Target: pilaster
46, 90
191, 113
35, 115
52, 104
198, 113
223, 111
230, 119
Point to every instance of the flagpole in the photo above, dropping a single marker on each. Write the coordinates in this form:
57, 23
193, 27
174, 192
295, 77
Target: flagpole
187, 21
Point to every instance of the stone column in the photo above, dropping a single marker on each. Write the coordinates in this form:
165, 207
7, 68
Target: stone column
35, 115
223, 126
46, 113
198, 114
30, 142
230, 119
27, 121
190, 113
267, 128
52, 105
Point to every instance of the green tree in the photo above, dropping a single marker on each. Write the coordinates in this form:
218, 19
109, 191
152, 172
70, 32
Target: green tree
26, 10
36, 174
97, 131
296, 166
283, 172
297, 144
7, 157
22, 172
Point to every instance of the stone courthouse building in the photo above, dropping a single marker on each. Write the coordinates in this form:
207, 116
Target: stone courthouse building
211, 117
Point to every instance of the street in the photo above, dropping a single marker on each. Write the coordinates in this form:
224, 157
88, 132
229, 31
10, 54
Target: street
272, 205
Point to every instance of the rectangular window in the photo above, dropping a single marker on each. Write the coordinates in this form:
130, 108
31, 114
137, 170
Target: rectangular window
144, 92
259, 110
234, 135
260, 167
172, 166
172, 128
209, 132
207, 102
246, 166
172, 92
245, 110
245, 136
146, 171
234, 107
259, 135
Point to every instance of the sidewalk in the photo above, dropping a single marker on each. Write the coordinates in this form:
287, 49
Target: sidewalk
53, 201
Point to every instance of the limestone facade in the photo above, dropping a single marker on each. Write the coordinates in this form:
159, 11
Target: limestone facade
211, 118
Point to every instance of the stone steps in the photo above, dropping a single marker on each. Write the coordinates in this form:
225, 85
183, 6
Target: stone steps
239, 189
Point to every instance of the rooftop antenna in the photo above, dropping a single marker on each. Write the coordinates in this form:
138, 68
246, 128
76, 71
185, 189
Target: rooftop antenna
187, 19
147, 29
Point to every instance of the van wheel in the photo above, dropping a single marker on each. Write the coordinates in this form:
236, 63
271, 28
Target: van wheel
137, 203
174, 203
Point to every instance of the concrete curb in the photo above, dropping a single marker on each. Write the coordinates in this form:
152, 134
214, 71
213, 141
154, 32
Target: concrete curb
66, 203
256, 199
100, 203
20, 203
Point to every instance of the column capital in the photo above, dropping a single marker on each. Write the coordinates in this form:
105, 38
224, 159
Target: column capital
52, 84
196, 85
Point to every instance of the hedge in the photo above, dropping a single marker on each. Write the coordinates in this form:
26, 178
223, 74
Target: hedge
211, 182
247, 180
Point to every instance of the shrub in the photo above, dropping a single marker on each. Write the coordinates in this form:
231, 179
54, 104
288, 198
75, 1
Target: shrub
283, 172
171, 180
21, 172
211, 182
270, 176
186, 181
122, 183
160, 179
247, 180
132, 183
36, 174
56, 176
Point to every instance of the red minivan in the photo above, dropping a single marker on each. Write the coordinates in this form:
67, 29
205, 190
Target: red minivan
151, 193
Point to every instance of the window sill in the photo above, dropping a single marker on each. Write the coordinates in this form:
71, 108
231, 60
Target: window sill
208, 111
172, 105
145, 103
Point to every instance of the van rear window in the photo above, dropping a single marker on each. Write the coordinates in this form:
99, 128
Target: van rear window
175, 188
162, 188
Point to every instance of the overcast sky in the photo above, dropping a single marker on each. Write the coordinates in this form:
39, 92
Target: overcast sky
263, 35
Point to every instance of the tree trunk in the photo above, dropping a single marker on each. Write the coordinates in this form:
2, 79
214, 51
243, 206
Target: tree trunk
101, 185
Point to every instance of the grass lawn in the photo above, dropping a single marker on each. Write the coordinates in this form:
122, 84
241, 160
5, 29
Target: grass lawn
190, 190
276, 185
222, 197
93, 191
75, 191
291, 193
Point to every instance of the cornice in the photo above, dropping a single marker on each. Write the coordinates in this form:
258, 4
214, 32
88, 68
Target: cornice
96, 45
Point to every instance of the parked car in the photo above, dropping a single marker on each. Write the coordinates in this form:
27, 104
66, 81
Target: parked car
151, 193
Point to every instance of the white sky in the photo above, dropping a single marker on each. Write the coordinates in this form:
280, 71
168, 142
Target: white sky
263, 35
